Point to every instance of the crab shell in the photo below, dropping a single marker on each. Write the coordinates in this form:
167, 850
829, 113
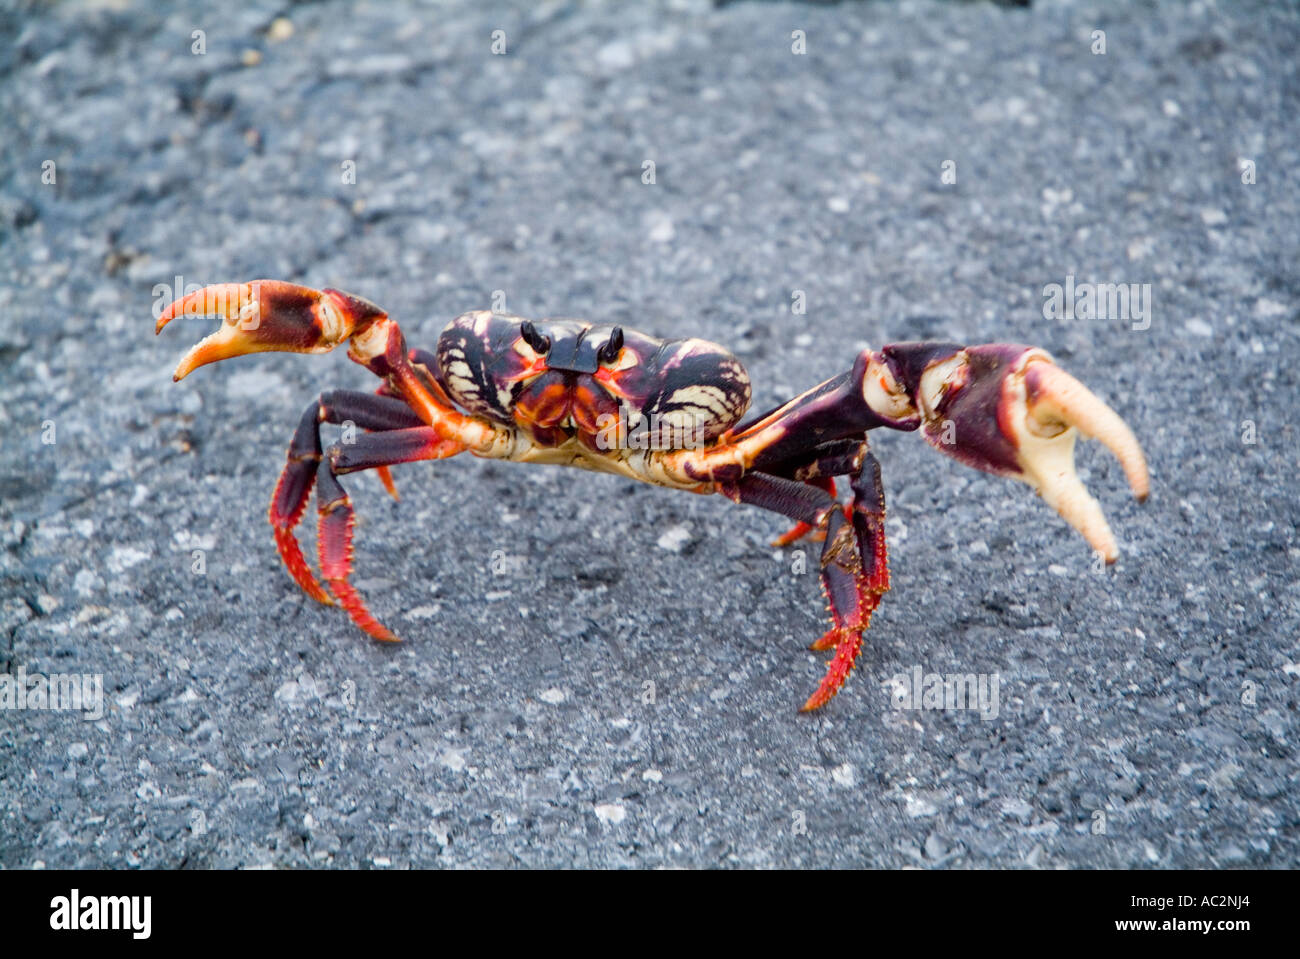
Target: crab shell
568, 378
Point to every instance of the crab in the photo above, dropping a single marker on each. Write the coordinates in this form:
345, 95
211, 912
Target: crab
665, 412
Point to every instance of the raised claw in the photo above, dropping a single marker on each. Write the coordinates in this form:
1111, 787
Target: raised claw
1057, 405
1010, 410
270, 315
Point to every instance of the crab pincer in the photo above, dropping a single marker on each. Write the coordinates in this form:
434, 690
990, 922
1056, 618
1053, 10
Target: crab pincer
1010, 410
269, 316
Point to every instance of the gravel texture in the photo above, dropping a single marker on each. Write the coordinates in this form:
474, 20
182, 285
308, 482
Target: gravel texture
1147, 716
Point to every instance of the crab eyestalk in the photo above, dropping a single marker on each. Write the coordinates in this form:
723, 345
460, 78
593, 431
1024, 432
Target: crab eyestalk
269, 315
1010, 410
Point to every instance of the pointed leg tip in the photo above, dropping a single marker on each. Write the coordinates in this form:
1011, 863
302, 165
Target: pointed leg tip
307, 583
386, 477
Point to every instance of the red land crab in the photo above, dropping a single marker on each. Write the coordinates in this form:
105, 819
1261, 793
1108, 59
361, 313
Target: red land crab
579, 394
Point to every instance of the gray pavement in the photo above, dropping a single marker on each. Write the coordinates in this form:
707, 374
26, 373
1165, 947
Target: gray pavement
1147, 716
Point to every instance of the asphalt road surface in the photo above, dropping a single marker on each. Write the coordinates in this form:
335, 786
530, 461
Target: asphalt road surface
603, 674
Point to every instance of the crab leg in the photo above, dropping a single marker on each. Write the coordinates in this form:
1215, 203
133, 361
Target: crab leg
377, 450
294, 487
334, 543
289, 501
801, 528
840, 458
863, 559
337, 520
854, 560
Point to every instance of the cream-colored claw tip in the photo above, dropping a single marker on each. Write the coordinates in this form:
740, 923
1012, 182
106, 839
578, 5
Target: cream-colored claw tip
1061, 399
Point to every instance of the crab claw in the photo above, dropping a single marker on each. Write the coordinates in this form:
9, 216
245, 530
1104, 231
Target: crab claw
270, 315
1010, 410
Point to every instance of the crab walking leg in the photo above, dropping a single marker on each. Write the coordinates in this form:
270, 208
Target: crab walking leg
801, 529
386, 474
378, 450
289, 501
334, 543
861, 572
294, 487
823, 464
378, 412
854, 561
424, 363
334, 536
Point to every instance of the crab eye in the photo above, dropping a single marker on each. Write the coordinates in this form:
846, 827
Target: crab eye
539, 343
609, 352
